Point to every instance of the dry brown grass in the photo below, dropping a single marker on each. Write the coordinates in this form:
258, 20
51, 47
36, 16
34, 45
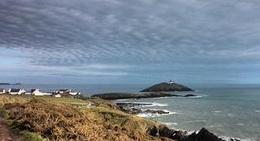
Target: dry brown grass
62, 122
4, 98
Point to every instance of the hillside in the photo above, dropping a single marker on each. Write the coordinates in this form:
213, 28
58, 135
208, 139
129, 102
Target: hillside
85, 119
59, 121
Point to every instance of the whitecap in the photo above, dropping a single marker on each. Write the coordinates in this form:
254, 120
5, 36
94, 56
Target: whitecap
240, 124
215, 125
170, 123
218, 111
198, 96
121, 100
199, 120
257, 111
230, 115
226, 138
158, 104
150, 104
155, 114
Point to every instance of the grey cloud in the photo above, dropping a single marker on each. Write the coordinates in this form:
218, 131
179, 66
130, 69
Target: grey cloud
136, 32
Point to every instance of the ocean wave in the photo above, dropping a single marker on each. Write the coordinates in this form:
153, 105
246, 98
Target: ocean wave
257, 111
217, 111
170, 123
226, 138
230, 115
240, 124
215, 125
198, 96
150, 104
146, 104
157, 104
199, 120
155, 114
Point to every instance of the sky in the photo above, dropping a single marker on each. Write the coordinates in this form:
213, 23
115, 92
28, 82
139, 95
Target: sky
130, 41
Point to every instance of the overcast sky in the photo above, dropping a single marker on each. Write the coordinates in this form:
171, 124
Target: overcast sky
130, 41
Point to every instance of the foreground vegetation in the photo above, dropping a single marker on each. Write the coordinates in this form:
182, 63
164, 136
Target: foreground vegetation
64, 119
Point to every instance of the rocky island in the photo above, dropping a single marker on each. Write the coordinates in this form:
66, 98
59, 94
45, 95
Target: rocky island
163, 89
167, 87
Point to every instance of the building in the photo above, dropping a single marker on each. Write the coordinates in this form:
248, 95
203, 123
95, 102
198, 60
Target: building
2, 91
67, 91
57, 95
171, 82
64, 91
16, 91
74, 93
37, 92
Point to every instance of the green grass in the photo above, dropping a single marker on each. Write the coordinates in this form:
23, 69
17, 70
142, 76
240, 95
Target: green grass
32, 136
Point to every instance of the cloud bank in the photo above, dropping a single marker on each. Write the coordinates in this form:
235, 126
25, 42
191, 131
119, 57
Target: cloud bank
131, 39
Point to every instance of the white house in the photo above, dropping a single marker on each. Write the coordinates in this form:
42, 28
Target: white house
57, 95
16, 91
2, 91
37, 92
74, 93
64, 91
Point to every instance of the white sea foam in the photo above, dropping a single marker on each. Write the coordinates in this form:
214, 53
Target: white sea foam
155, 114
198, 120
257, 111
158, 104
218, 111
240, 124
215, 125
170, 123
230, 115
198, 96
151, 104
228, 138
120, 100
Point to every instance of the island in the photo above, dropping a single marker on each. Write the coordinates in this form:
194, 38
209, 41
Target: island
10, 84
163, 89
5, 84
167, 87
115, 96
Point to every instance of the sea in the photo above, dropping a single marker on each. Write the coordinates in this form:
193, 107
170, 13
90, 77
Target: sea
229, 111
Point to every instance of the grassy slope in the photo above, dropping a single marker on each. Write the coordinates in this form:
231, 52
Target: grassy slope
65, 119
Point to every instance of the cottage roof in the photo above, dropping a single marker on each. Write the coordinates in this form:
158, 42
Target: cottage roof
15, 90
33, 90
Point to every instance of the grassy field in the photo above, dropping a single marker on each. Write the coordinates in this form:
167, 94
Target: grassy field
73, 119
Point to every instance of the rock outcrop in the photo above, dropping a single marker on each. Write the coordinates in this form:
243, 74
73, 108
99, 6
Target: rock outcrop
132, 109
167, 87
164, 131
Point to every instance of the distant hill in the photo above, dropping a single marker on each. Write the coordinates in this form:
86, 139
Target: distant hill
5, 84
167, 87
10, 84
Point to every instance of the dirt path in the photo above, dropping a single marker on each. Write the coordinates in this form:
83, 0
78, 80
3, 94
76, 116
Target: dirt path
6, 134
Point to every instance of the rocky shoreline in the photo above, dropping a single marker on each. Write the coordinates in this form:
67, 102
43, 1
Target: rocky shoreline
132, 108
164, 131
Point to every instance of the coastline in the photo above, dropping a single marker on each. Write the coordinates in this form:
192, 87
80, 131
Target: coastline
191, 100
153, 130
